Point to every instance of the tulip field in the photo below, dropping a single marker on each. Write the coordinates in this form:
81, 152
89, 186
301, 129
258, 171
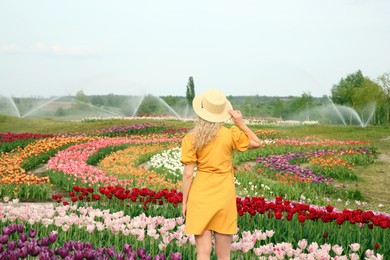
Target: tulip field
115, 193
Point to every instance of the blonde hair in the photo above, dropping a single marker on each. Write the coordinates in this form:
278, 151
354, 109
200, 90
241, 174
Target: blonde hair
204, 132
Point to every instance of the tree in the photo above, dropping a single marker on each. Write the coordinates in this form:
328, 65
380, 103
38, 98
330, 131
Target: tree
60, 112
110, 100
97, 100
384, 82
343, 92
277, 108
170, 100
81, 100
248, 104
302, 104
80, 96
190, 92
367, 97
307, 102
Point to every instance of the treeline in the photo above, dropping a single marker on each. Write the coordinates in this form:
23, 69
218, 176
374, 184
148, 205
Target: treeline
355, 99
125, 105
288, 107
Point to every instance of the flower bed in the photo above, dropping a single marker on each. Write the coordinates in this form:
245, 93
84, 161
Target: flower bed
159, 235
126, 204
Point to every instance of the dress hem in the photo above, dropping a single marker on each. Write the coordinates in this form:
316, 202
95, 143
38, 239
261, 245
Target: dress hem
196, 234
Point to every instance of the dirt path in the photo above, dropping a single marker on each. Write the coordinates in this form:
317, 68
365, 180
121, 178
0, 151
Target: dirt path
40, 171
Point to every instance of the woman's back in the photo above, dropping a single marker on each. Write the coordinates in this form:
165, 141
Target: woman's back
215, 156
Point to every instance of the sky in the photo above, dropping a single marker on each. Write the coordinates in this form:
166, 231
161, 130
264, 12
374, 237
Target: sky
249, 47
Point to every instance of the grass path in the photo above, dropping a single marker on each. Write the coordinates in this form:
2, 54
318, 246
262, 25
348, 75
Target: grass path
374, 179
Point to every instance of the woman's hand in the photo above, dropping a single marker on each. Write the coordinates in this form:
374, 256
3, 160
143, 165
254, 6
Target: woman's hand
239, 121
188, 174
236, 117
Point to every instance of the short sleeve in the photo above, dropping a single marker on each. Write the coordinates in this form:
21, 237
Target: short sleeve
240, 139
188, 153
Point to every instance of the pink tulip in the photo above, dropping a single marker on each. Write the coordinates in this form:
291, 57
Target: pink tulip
355, 247
302, 243
90, 228
337, 249
313, 247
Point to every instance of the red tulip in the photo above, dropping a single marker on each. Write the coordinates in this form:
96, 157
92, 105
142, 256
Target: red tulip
95, 196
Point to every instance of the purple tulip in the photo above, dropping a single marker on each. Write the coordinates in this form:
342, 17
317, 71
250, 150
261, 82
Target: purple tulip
44, 255
100, 251
13, 255
53, 237
52, 252
119, 256
4, 239
78, 246
99, 257
30, 246
19, 228
14, 227
23, 237
45, 241
110, 251
32, 233
148, 257
132, 256
160, 256
63, 251
69, 244
35, 251
175, 256
141, 252
89, 253
78, 255
127, 248
88, 245
34, 241
23, 252
7, 230
11, 245
21, 243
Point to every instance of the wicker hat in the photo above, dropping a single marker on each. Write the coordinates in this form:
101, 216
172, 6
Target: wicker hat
212, 106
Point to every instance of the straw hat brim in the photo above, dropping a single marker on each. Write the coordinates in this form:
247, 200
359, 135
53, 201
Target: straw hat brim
208, 116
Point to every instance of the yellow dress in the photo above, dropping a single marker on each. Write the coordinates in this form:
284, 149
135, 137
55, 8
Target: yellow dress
211, 203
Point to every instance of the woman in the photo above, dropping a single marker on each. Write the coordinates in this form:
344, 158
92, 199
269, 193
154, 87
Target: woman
209, 199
